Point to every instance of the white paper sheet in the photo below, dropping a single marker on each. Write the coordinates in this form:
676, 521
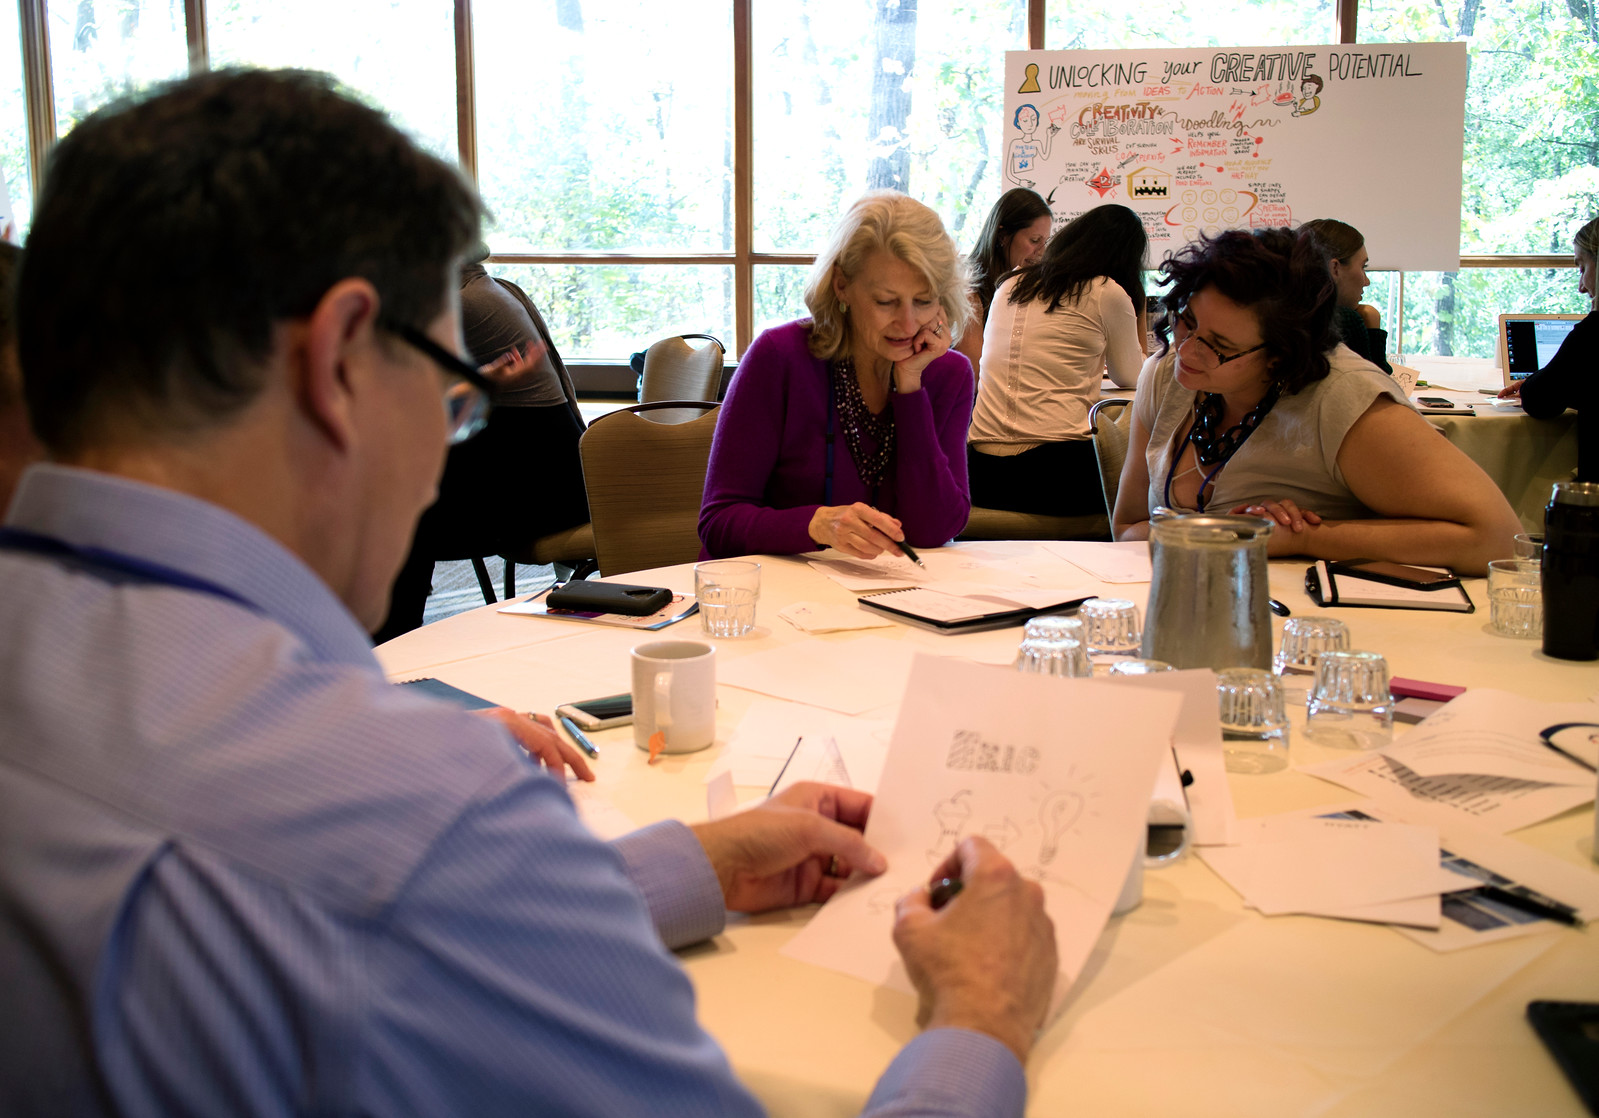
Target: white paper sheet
1235, 864
1308, 865
886, 572
1055, 772
1494, 733
1473, 857
1108, 562
765, 738
1491, 803
815, 757
1199, 750
831, 617
851, 677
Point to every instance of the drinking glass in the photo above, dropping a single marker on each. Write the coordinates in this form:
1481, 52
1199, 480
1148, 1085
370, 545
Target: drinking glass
1111, 626
1515, 598
1140, 667
1305, 639
1350, 706
1529, 545
1254, 723
727, 590
1053, 645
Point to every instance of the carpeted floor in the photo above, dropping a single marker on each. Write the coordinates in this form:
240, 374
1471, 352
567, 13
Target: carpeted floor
455, 587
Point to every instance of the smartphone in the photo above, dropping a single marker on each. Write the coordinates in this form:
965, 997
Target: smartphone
600, 714
1570, 1030
1435, 401
1396, 574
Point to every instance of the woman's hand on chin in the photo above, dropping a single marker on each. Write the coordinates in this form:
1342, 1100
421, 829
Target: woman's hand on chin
858, 529
930, 343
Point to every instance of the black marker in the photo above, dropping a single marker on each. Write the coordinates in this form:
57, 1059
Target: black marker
1562, 915
1278, 608
583, 743
943, 891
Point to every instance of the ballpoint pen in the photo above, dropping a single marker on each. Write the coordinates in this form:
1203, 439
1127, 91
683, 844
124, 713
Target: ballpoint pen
944, 890
909, 554
1563, 914
578, 736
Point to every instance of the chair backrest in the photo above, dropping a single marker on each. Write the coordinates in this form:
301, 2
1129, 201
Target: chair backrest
1109, 433
549, 342
644, 483
675, 370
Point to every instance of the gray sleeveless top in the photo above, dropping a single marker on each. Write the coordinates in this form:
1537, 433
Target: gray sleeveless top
1294, 451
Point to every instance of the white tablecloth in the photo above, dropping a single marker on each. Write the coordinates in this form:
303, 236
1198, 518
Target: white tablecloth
1192, 1004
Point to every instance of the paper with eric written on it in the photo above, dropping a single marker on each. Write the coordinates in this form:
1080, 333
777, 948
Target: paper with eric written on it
1055, 772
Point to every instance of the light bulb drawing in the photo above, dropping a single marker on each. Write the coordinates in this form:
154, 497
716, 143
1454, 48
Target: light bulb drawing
1056, 815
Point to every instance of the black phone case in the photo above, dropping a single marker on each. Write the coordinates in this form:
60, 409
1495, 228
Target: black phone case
1353, 568
1570, 1030
609, 597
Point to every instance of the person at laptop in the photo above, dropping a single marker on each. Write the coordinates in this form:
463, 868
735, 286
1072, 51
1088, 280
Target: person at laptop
1359, 325
239, 871
1571, 379
1256, 409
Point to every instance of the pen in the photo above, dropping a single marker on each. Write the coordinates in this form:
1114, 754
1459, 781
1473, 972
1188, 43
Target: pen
1278, 608
583, 742
944, 890
1548, 738
909, 554
1564, 914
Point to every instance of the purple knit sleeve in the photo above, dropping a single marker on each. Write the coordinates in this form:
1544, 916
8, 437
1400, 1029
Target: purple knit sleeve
930, 429
734, 518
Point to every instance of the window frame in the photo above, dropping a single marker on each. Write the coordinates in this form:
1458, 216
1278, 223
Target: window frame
605, 376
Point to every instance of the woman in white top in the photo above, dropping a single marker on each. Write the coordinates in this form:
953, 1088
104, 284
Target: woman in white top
1258, 410
1052, 331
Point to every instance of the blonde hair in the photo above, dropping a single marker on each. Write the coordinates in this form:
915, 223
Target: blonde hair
1587, 239
888, 221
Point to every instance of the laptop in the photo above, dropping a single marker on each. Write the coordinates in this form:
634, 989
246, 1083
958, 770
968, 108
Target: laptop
1527, 342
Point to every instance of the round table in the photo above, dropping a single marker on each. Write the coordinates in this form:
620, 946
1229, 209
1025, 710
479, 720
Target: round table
1192, 1003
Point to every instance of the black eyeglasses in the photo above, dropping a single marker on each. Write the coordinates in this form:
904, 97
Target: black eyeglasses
1186, 321
467, 402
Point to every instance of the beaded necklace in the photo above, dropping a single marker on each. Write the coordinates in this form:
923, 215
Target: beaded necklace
1212, 445
857, 419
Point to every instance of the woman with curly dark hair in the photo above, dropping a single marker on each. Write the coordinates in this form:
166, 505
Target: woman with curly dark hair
1255, 410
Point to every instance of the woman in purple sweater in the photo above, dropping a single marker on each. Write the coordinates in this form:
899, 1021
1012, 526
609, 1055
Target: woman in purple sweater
848, 429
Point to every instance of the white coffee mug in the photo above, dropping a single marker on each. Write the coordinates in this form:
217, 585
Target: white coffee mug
674, 691
1163, 813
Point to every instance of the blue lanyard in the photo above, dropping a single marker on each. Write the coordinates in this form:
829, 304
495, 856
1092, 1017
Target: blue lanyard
113, 566
1199, 497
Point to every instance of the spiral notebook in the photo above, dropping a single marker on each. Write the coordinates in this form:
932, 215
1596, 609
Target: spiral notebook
960, 613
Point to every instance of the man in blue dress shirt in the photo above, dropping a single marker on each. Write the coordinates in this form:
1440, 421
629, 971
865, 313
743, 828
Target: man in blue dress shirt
239, 872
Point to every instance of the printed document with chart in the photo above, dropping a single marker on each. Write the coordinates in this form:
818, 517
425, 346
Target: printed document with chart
1055, 772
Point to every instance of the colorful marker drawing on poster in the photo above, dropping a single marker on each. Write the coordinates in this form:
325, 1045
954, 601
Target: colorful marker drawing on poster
1199, 140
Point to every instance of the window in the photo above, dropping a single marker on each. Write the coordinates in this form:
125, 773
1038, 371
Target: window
604, 137
394, 56
14, 122
1191, 23
101, 49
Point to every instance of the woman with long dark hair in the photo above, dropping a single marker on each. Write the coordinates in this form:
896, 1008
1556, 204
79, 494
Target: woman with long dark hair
1256, 409
1359, 325
1054, 329
1013, 236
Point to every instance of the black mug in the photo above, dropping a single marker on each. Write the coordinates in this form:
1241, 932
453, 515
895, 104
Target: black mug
1571, 571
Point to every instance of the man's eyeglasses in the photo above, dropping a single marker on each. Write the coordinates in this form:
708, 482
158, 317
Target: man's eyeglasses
1186, 321
468, 400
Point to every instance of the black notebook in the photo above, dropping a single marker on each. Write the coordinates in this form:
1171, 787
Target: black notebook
959, 613
1327, 585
